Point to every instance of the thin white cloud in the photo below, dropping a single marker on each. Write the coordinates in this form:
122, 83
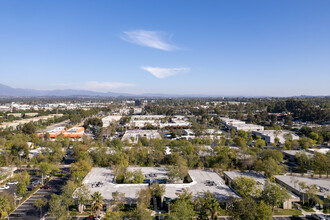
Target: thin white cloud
161, 73
153, 39
97, 86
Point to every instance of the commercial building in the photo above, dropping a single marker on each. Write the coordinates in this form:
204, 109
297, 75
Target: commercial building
240, 125
260, 181
102, 180
134, 135
292, 184
270, 135
159, 121
73, 133
291, 154
110, 119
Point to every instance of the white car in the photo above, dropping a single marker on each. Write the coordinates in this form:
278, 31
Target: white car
4, 187
37, 182
12, 183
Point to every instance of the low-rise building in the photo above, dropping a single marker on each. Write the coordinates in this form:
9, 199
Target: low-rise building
291, 154
134, 135
240, 125
260, 181
102, 180
270, 135
73, 133
293, 184
110, 119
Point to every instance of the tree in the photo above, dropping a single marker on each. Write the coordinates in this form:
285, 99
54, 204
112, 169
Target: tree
83, 195
305, 142
56, 207
142, 211
39, 203
272, 153
240, 142
45, 168
157, 189
304, 162
260, 143
21, 188
312, 197
24, 177
179, 171
79, 170
321, 163
274, 195
183, 207
210, 204
118, 201
248, 209
6, 204
269, 166
29, 128
67, 193
246, 186
138, 176
97, 201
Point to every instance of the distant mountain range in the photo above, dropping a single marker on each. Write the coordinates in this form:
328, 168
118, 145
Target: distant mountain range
7, 91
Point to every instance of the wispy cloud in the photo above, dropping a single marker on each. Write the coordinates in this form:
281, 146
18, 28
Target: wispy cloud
154, 39
161, 73
97, 86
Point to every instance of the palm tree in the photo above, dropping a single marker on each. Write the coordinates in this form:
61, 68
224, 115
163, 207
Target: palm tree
97, 202
211, 204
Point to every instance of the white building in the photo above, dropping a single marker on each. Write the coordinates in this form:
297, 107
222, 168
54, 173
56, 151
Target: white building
202, 181
240, 125
135, 135
110, 119
270, 135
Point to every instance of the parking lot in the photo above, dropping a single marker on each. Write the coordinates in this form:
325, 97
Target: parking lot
27, 211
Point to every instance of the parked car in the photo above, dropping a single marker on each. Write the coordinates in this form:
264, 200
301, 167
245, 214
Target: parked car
319, 217
45, 187
36, 182
12, 182
4, 187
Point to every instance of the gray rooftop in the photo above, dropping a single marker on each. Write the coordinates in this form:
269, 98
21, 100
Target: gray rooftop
197, 186
322, 184
259, 178
294, 152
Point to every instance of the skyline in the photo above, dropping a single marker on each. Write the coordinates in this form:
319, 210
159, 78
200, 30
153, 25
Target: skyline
249, 48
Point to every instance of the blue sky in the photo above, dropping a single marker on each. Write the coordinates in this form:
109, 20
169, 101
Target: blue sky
220, 47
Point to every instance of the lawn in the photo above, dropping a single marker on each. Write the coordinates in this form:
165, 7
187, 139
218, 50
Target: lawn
287, 212
307, 209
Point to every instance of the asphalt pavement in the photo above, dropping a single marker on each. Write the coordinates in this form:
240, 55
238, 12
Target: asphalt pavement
27, 211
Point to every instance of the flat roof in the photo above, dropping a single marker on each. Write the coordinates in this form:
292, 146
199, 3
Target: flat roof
322, 184
294, 152
258, 177
197, 186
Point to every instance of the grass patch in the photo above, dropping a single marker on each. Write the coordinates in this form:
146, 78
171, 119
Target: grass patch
223, 212
287, 212
307, 209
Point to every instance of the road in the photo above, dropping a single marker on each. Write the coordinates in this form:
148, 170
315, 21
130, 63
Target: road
53, 126
27, 211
